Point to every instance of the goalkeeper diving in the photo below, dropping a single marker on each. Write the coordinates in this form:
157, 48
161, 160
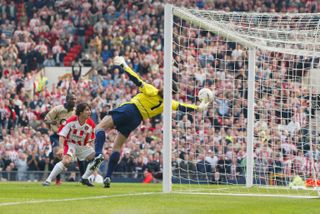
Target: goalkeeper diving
127, 117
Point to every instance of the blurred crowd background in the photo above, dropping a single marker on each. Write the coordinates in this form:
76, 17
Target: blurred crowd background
88, 33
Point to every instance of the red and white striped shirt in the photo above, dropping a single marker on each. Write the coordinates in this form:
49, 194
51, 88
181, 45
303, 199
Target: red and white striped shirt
76, 133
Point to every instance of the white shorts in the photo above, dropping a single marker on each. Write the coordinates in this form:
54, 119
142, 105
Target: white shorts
76, 151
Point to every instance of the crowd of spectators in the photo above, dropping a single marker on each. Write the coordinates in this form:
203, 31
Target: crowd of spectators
46, 31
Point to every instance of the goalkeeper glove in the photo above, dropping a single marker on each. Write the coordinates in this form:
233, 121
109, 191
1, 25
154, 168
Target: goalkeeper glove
203, 106
119, 60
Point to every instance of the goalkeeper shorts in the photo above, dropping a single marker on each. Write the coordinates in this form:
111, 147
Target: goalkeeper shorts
126, 118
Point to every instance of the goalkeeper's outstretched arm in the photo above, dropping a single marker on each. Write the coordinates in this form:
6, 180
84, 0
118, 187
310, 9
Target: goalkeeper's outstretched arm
184, 107
133, 76
144, 87
150, 90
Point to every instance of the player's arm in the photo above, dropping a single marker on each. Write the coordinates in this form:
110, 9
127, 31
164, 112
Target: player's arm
133, 76
184, 107
50, 117
144, 87
60, 147
91, 140
63, 132
92, 136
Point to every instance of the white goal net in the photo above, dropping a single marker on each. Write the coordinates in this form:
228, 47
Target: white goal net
260, 135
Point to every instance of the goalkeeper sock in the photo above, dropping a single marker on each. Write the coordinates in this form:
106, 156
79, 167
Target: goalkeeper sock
113, 162
100, 139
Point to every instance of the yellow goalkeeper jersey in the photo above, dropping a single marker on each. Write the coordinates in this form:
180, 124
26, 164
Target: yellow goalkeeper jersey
148, 101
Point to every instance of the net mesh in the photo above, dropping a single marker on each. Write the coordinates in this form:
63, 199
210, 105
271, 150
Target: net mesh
285, 33
210, 49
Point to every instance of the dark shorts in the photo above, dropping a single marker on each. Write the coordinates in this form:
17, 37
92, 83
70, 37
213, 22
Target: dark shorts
126, 118
54, 139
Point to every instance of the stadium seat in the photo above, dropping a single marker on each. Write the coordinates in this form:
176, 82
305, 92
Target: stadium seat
67, 63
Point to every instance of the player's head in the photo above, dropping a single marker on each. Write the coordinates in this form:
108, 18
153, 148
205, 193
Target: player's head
83, 108
70, 100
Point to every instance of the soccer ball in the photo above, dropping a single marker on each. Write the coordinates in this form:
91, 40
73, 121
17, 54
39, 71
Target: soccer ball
206, 95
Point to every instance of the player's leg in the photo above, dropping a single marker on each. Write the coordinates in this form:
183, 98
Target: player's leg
54, 138
68, 154
58, 168
82, 166
126, 119
85, 152
105, 123
114, 158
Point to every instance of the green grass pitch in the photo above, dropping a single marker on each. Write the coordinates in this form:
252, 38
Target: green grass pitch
137, 198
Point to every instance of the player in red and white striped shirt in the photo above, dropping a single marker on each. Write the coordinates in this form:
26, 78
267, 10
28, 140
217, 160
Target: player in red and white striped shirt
75, 138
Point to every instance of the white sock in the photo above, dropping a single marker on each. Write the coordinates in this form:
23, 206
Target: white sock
57, 169
88, 172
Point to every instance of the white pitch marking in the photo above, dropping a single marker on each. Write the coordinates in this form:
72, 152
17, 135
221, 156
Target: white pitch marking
75, 199
247, 195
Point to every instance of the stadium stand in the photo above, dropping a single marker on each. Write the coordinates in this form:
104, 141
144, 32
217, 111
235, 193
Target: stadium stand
92, 32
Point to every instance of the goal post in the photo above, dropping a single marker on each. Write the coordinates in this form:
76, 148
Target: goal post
167, 116
250, 115
260, 136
